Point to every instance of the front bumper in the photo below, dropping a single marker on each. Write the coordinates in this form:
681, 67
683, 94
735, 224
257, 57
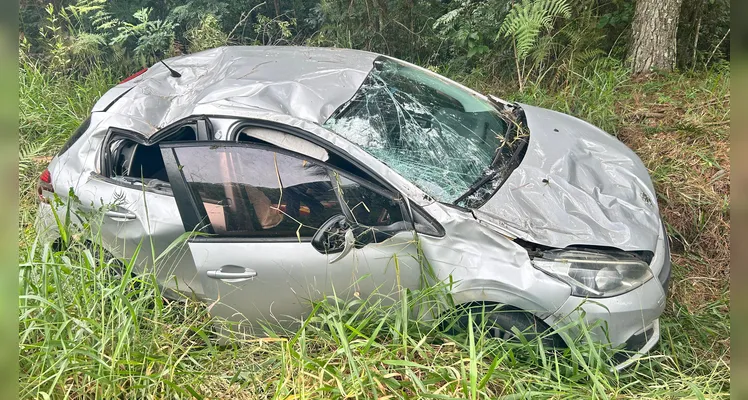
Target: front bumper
630, 321
638, 345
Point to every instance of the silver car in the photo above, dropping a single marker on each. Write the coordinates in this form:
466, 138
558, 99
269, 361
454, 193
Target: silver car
316, 171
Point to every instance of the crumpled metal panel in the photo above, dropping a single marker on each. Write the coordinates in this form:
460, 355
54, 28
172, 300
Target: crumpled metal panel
576, 185
303, 82
488, 266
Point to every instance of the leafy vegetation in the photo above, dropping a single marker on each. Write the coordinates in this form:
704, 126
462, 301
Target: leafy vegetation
85, 334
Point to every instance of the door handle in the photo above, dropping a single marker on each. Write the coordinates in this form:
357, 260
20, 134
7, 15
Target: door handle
120, 215
230, 272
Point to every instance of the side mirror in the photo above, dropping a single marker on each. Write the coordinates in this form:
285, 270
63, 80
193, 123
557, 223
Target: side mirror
334, 236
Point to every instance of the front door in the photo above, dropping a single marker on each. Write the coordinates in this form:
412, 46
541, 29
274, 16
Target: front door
258, 208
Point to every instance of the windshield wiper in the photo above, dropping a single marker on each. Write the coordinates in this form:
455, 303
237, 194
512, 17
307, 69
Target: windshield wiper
490, 176
476, 185
514, 127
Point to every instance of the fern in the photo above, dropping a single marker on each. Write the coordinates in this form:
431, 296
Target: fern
28, 155
206, 34
152, 36
526, 20
87, 44
447, 19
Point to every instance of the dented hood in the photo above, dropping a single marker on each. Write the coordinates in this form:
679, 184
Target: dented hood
576, 185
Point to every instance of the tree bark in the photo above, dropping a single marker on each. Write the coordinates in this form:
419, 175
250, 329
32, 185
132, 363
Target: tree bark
653, 35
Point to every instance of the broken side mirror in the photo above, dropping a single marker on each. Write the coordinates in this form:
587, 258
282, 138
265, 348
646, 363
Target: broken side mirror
334, 236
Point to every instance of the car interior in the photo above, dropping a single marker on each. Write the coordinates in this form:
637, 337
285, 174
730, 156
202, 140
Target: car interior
143, 165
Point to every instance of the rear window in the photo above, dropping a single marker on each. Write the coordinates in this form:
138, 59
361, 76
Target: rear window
76, 135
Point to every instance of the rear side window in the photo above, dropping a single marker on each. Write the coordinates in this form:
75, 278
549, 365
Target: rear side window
76, 135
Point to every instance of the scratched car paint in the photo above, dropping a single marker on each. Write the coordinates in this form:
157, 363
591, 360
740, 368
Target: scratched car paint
311, 170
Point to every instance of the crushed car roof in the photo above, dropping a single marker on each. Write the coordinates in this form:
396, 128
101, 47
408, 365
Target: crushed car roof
303, 82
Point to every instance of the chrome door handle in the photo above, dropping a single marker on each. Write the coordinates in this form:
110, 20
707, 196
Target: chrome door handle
242, 273
120, 215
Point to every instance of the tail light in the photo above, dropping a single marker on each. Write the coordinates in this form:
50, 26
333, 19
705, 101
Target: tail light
45, 184
135, 75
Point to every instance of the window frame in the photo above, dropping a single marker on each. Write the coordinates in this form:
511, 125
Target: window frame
374, 178
204, 133
197, 216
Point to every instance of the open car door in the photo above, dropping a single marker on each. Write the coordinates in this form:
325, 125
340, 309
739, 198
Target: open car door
277, 230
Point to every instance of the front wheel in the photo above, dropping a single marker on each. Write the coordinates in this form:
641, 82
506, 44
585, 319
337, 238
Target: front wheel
499, 321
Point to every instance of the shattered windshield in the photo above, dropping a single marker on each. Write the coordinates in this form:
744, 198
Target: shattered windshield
434, 133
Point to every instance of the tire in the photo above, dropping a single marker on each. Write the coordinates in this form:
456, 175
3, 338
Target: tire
116, 268
499, 321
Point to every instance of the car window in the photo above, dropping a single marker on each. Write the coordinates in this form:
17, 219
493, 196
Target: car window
368, 207
253, 192
434, 133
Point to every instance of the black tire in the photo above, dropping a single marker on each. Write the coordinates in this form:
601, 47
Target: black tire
116, 268
499, 320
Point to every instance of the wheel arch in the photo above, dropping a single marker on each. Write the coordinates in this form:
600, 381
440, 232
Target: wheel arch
483, 294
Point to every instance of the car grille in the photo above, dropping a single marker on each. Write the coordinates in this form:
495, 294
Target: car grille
636, 342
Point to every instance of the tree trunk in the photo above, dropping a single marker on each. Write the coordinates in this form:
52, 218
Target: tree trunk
653, 35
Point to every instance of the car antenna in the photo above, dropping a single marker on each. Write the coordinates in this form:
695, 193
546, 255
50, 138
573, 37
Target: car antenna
173, 72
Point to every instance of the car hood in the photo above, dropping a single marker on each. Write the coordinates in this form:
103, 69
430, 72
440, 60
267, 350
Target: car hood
577, 185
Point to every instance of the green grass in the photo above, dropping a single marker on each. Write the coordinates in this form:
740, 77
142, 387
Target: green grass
83, 334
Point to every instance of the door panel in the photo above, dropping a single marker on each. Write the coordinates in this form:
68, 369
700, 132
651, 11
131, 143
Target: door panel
261, 206
147, 219
290, 275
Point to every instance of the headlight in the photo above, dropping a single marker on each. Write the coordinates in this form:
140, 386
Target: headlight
595, 274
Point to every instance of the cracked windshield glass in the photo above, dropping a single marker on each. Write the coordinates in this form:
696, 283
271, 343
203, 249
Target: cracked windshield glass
440, 136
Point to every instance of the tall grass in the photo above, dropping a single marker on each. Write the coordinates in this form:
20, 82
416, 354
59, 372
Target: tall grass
53, 104
85, 334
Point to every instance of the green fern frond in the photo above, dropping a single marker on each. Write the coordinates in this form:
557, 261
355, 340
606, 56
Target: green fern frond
527, 18
28, 153
589, 55
447, 19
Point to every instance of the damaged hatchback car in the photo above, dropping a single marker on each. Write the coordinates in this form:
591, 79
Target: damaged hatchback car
310, 172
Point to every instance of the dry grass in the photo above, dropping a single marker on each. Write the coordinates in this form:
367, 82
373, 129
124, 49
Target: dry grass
680, 130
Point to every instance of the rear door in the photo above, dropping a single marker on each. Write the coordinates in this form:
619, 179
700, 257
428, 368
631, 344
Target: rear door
142, 212
257, 208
